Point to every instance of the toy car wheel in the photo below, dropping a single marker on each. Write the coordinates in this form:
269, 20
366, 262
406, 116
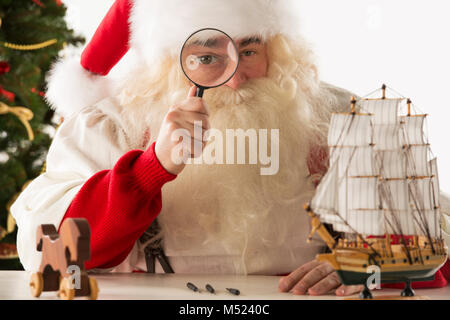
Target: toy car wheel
93, 289
66, 292
36, 284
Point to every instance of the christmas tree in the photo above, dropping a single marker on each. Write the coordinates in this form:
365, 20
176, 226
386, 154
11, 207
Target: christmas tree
32, 34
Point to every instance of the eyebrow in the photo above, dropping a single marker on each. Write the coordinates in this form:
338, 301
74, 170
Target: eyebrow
249, 41
210, 43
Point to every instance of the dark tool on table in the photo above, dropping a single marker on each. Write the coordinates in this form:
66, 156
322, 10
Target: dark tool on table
192, 286
210, 289
236, 292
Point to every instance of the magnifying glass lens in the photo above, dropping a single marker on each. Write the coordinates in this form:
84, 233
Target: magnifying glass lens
209, 58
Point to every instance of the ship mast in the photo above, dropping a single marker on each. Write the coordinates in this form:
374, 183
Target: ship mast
409, 102
353, 105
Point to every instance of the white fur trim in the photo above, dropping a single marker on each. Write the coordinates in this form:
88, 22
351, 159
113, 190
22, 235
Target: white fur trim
160, 28
71, 88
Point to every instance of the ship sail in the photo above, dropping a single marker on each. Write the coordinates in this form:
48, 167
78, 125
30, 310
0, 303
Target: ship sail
435, 189
384, 111
324, 201
351, 170
347, 130
380, 180
413, 129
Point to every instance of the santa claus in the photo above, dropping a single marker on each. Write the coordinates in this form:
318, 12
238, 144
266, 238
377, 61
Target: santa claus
111, 160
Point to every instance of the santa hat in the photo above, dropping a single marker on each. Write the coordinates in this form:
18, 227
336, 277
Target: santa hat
156, 29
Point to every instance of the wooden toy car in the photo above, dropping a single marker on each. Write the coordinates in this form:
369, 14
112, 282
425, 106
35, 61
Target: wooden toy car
63, 254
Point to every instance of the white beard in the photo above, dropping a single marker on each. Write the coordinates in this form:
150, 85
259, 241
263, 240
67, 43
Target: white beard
232, 210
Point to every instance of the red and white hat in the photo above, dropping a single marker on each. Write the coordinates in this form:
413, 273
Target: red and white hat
155, 29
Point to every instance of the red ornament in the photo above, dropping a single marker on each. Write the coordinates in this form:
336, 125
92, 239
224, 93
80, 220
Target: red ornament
4, 67
40, 4
7, 94
41, 93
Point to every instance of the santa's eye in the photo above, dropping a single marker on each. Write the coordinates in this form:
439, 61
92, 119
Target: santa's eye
207, 59
248, 53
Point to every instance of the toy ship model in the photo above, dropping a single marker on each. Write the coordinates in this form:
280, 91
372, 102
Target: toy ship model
381, 193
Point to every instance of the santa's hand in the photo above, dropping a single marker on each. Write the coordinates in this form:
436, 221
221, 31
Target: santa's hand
182, 133
316, 278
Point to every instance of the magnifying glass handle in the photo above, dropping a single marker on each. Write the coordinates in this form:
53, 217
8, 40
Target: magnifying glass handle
200, 92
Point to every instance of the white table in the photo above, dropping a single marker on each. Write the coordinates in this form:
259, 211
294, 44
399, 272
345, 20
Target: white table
14, 285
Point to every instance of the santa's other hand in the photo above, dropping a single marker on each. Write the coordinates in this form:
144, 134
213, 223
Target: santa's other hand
315, 278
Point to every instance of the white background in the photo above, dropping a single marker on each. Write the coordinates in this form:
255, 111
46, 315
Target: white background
361, 44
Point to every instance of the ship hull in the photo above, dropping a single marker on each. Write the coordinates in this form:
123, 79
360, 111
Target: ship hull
408, 260
359, 278
353, 267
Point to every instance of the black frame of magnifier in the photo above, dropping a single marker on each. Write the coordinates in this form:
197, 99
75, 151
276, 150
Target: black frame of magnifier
201, 89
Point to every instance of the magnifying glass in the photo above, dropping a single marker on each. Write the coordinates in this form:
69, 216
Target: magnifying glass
209, 59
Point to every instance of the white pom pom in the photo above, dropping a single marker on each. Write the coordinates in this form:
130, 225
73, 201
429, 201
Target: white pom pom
71, 88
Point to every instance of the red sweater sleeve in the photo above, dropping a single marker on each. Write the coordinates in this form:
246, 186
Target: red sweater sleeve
120, 204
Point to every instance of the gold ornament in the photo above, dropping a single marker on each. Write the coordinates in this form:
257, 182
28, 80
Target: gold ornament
24, 115
11, 222
29, 47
